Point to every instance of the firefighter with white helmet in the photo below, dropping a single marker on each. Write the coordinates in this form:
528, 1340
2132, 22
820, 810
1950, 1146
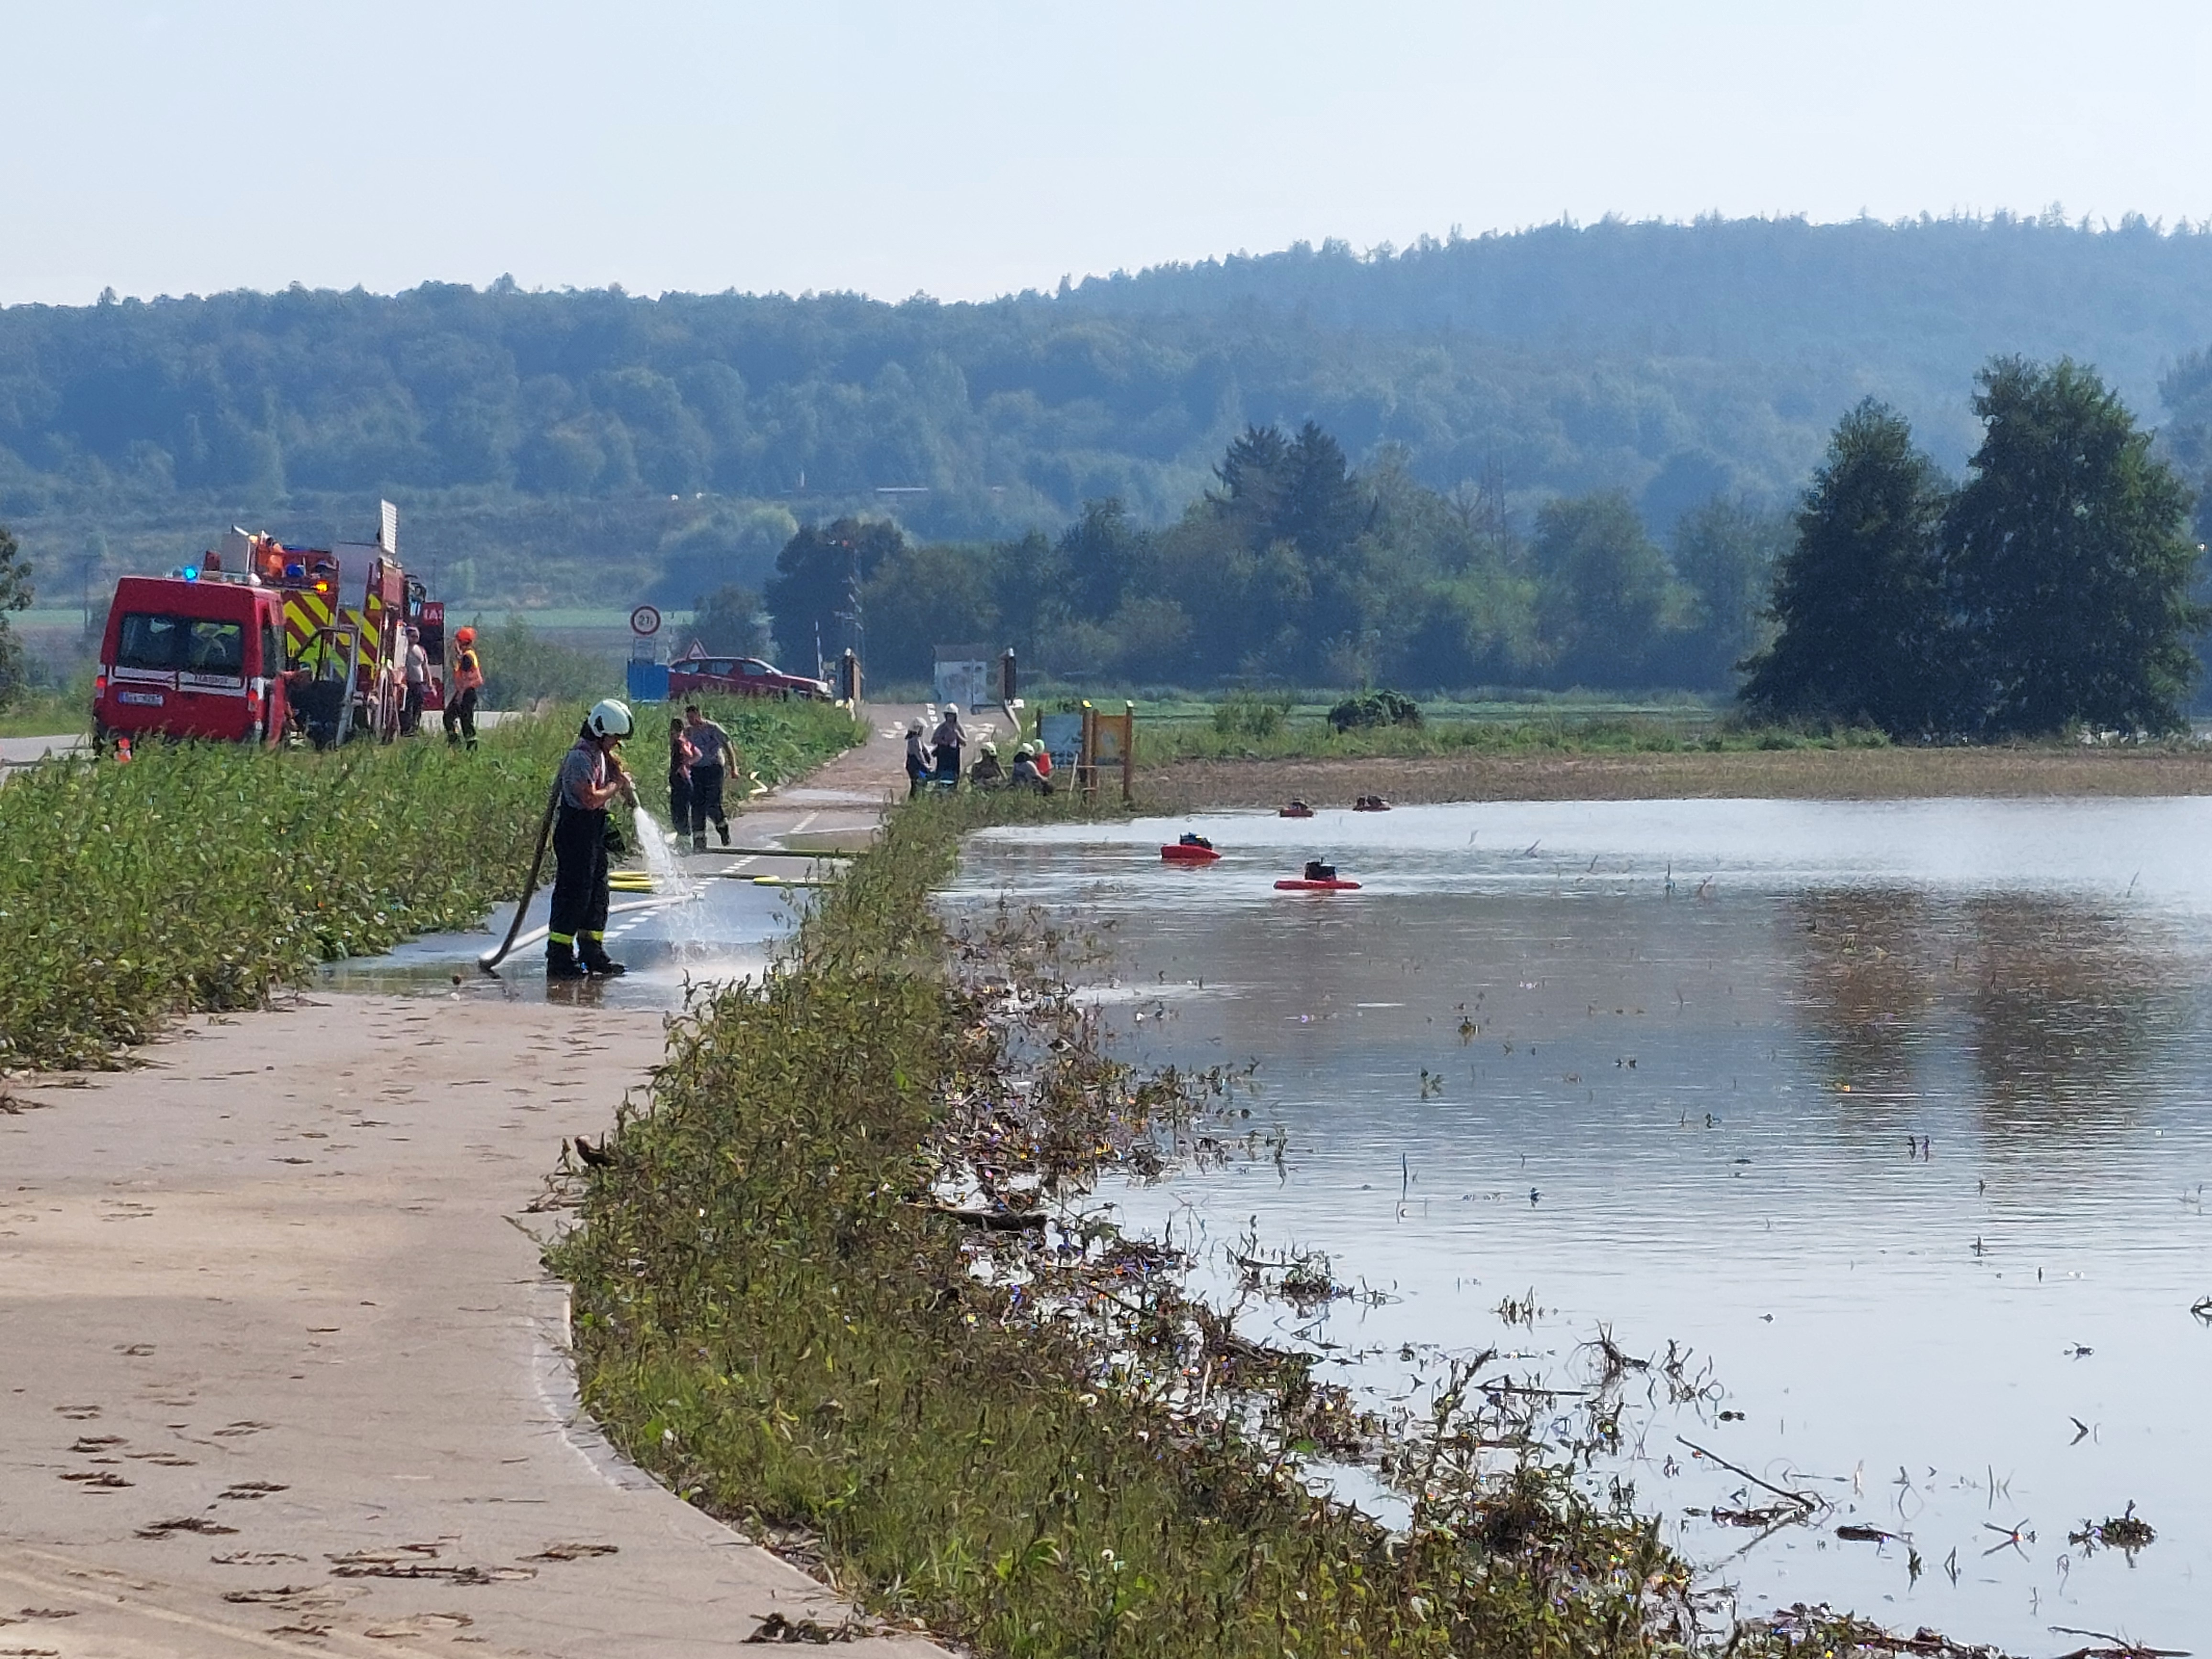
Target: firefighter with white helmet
591, 778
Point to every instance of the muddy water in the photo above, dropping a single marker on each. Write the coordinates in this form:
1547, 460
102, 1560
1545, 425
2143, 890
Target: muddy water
1895, 1113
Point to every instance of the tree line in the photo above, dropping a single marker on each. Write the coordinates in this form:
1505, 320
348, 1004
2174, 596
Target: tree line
2054, 587
1671, 361
1294, 567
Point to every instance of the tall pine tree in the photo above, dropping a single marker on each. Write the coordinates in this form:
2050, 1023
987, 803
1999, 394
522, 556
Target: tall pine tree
1859, 598
2073, 563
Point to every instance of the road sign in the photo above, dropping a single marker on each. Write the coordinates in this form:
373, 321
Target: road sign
645, 620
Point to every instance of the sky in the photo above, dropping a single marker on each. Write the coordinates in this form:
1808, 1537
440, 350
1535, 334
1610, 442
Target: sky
969, 149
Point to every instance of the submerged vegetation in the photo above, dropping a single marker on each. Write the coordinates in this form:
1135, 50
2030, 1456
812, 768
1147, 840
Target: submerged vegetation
206, 877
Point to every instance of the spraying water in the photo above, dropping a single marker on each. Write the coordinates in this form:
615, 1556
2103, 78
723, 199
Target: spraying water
667, 875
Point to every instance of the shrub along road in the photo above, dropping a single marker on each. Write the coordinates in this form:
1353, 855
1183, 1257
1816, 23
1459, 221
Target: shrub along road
283, 1370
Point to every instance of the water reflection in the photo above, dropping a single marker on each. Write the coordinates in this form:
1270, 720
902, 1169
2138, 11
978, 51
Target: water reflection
2068, 1004
1868, 988
1883, 1111
2061, 1004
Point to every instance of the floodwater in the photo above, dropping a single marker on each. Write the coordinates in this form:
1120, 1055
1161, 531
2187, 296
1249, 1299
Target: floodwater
1895, 1114
707, 922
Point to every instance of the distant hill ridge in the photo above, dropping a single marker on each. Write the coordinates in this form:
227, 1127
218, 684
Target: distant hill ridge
1668, 359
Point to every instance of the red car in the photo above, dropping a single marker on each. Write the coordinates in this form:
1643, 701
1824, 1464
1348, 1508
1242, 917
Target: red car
737, 677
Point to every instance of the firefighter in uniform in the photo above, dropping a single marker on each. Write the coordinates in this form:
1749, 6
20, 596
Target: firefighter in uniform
591, 778
468, 680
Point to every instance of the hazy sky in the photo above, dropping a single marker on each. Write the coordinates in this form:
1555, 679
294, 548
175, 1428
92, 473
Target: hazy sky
968, 150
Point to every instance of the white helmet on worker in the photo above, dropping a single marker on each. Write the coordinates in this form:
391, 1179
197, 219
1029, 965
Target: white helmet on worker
610, 718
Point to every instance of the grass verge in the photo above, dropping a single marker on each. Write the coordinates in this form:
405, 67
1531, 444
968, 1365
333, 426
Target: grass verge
205, 876
1022, 1438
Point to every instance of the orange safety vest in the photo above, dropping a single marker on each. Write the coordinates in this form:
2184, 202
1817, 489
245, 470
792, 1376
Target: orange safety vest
468, 673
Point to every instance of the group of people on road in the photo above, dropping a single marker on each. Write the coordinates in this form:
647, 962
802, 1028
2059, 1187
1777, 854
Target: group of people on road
935, 763
701, 758
412, 669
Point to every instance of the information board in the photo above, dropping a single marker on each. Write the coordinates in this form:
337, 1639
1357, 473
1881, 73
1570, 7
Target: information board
1062, 738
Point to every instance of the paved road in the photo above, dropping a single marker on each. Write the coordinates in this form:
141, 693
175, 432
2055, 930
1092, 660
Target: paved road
21, 752
281, 1373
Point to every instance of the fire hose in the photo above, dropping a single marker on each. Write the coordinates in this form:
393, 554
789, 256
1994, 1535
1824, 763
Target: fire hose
491, 959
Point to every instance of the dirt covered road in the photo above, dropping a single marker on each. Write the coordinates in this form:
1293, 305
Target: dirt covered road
280, 1372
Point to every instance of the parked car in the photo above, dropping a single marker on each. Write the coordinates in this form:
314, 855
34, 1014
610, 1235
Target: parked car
738, 676
188, 656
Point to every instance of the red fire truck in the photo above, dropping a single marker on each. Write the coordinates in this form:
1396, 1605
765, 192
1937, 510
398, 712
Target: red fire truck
255, 642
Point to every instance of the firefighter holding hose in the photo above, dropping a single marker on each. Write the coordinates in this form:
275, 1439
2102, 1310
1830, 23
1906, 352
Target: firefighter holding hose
591, 778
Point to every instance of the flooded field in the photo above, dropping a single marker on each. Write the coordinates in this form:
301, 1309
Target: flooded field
1894, 1115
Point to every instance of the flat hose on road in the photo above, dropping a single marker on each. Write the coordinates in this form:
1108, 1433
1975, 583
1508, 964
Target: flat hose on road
491, 960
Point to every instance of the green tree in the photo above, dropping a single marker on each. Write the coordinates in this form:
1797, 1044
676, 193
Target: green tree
819, 579
1725, 552
1601, 587
732, 545
729, 622
922, 598
522, 667
2069, 550
1859, 599
15, 595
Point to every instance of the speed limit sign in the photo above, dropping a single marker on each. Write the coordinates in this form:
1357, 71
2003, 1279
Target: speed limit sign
645, 620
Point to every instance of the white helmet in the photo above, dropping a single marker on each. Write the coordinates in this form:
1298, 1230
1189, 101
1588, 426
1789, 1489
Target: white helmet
610, 718
952, 708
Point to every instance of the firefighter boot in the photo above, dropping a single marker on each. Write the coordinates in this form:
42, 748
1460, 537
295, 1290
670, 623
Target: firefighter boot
561, 961
592, 956
722, 828
699, 841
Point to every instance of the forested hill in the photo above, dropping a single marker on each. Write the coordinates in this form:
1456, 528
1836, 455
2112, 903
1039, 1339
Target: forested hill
1927, 300
1671, 361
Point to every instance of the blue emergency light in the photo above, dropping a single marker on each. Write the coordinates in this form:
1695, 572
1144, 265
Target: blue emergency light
192, 572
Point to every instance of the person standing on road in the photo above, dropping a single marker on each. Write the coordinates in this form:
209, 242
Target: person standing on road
946, 743
592, 777
918, 761
414, 675
681, 754
468, 680
714, 758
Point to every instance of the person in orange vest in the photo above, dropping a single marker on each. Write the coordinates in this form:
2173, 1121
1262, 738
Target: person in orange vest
468, 680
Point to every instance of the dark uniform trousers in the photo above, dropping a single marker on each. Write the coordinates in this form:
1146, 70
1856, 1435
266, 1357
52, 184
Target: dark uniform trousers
580, 877
706, 798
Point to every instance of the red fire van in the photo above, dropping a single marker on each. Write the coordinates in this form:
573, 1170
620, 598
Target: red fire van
192, 655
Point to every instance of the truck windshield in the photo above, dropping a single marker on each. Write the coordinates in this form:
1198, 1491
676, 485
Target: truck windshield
199, 645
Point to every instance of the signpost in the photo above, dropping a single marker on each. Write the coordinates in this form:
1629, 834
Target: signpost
648, 679
1109, 742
